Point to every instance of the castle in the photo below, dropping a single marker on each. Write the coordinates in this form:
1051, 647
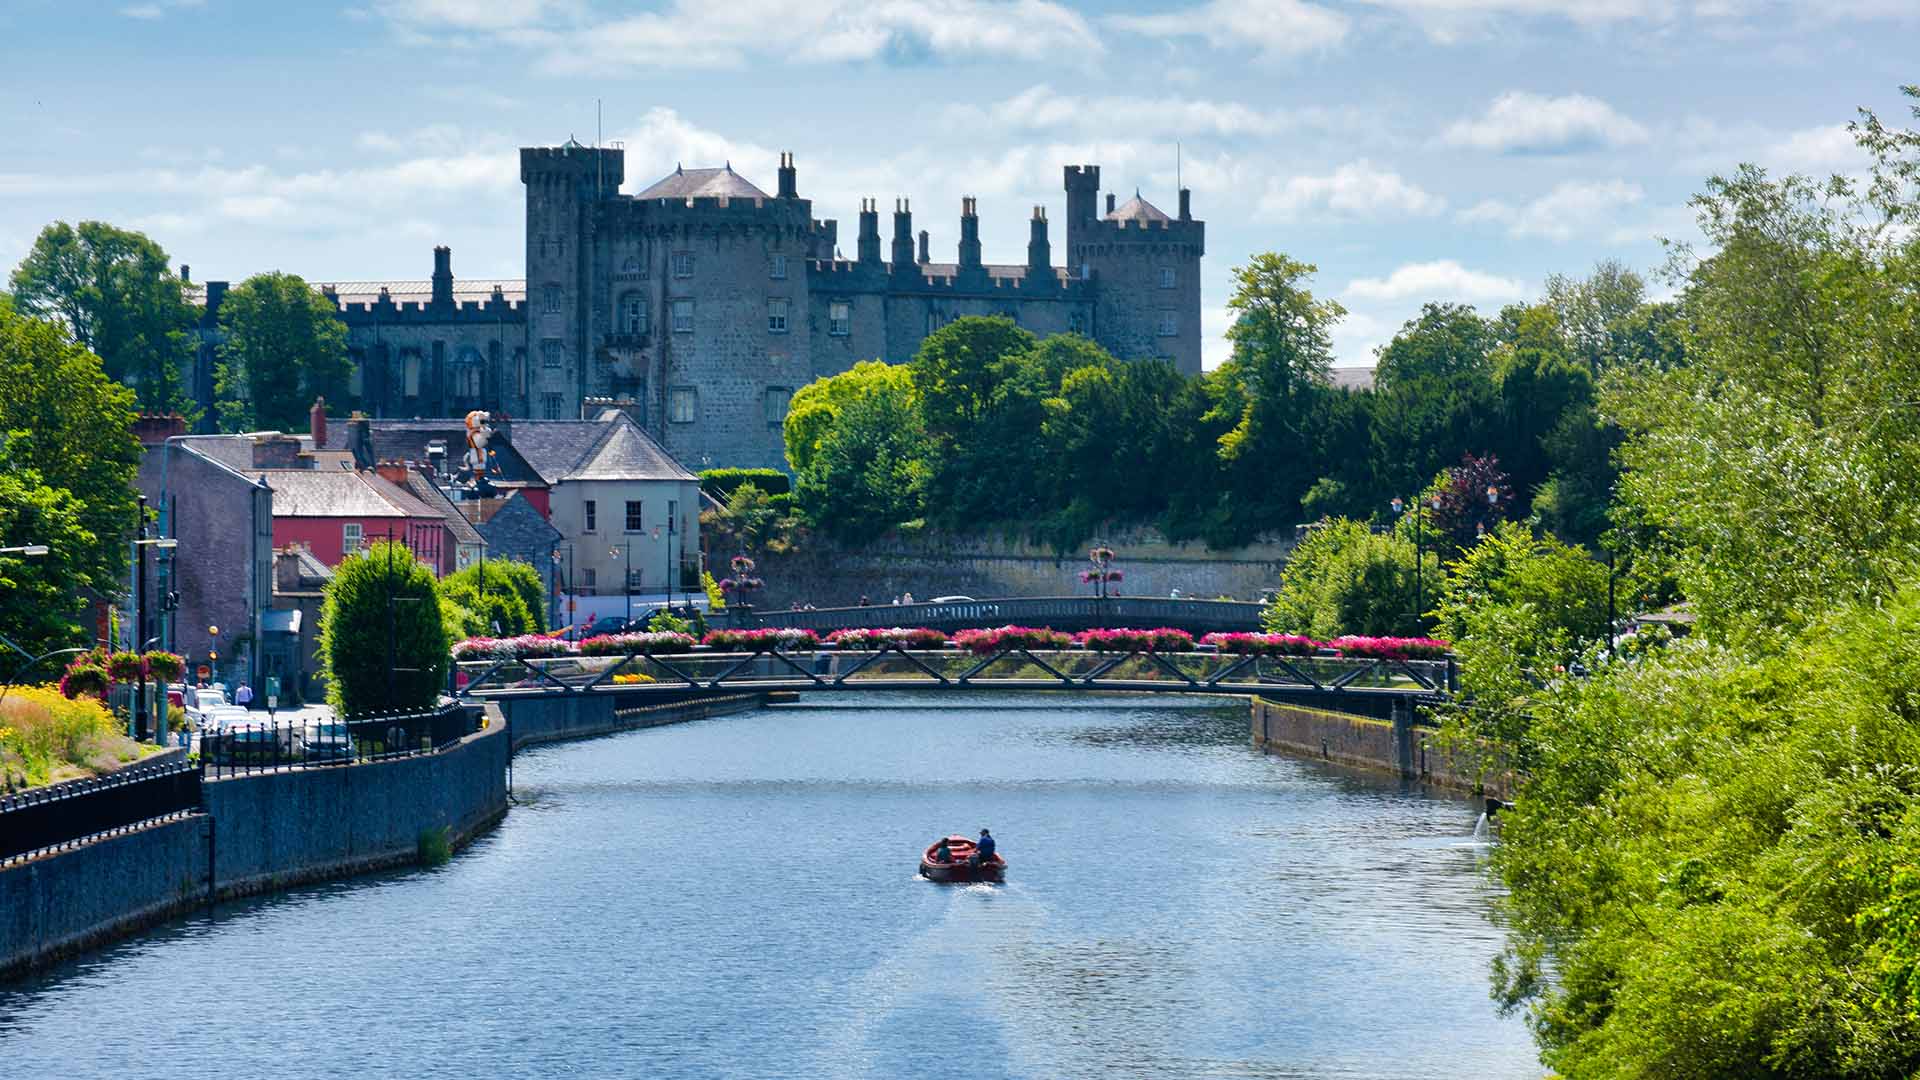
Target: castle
701, 303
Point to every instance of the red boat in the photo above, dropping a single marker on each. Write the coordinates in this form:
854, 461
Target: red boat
961, 868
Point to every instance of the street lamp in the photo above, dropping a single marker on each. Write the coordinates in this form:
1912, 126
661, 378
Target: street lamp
625, 550
213, 653
666, 561
29, 549
1419, 552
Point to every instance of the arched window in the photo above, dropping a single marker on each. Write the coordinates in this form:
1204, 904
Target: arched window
631, 318
467, 373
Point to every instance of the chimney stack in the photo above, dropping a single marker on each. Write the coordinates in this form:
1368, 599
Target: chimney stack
902, 236
186, 274
360, 441
869, 242
443, 277
926, 256
969, 233
1109, 202
1039, 251
789, 177
1186, 204
317, 422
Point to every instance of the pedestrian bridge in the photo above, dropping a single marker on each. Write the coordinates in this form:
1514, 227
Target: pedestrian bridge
1373, 687
1059, 612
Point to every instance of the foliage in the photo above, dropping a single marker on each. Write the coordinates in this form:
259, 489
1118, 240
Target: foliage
766, 639
859, 450
164, 666
1462, 510
650, 641
42, 605
870, 638
1164, 639
524, 647
379, 595
664, 621
716, 597
43, 732
987, 642
284, 345
1391, 648
115, 293
748, 519
1244, 643
721, 483
514, 600
1345, 578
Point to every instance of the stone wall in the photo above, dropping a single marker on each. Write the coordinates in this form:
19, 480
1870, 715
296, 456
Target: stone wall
830, 575
552, 718
1408, 750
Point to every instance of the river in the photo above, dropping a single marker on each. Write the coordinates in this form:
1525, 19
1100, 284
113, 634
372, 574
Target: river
736, 898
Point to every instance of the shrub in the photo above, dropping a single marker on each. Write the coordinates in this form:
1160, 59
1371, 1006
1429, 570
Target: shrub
1344, 578
716, 597
1391, 648
764, 639
506, 578
1262, 644
380, 592
1165, 639
870, 638
651, 641
522, 647
41, 729
720, 483
985, 642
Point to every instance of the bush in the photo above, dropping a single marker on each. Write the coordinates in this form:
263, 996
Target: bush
868, 638
653, 641
1391, 648
1346, 579
1164, 639
523, 647
383, 591
41, 730
721, 483
762, 640
986, 642
1262, 644
503, 577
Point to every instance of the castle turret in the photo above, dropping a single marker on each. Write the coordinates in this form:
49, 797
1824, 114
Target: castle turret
442, 277
1039, 251
789, 178
869, 242
969, 234
566, 185
903, 237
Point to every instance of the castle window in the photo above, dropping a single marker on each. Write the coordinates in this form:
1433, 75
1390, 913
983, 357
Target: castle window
776, 315
633, 265
633, 314
1168, 277
839, 318
550, 299
410, 373
1169, 324
1077, 323
778, 271
933, 321
550, 352
778, 398
466, 374
683, 264
683, 316
683, 402
550, 406
356, 378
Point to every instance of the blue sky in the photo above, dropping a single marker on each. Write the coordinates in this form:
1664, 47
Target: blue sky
1412, 149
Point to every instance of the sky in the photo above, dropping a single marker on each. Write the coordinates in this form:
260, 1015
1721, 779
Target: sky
1412, 150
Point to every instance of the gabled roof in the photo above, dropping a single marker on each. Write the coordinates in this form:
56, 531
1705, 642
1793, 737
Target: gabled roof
327, 493
407, 440
702, 184
1137, 209
610, 448
422, 488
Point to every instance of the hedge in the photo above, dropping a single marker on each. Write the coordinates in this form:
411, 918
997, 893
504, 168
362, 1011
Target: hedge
720, 483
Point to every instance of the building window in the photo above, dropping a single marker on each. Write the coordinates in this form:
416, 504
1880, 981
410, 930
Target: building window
682, 403
466, 373
673, 515
634, 578
933, 321
633, 314
587, 508
410, 373
587, 578
683, 316
1168, 278
550, 352
633, 265
350, 538
778, 398
683, 264
778, 271
550, 299
1077, 323
776, 316
1169, 324
634, 522
839, 318
550, 406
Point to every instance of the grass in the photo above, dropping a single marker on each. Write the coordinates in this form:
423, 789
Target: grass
45, 738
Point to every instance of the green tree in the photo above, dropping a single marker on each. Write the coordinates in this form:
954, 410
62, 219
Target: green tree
64, 420
115, 293
1434, 400
859, 451
382, 598
42, 598
285, 345
1344, 578
527, 608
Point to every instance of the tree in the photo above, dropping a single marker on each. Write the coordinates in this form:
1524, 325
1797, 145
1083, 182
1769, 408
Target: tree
383, 635
517, 595
285, 346
1434, 398
1344, 578
1282, 344
116, 295
64, 420
42, 604
1466, 513
859, 450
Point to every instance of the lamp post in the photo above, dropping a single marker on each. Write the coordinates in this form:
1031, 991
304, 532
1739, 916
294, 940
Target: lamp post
667, 560
26, 549
1419, 552
213, 653
140, 545
625, 550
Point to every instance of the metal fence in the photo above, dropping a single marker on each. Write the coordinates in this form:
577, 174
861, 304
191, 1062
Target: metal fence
240, 749
61, 815
1059, 612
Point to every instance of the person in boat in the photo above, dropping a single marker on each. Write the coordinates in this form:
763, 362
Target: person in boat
983, 850
943, 853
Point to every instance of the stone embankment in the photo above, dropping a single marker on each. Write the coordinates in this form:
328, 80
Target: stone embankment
1398, 746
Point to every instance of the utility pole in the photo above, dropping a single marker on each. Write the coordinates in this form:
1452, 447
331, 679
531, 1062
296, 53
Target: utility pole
140, 616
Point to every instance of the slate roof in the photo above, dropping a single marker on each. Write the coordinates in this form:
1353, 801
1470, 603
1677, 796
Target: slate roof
312, 570
1137, 209
421, 291
329, 494
422, 488
406, 440
610, 448
703, 184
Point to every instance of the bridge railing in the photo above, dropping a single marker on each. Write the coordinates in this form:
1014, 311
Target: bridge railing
897, 667
1060, 612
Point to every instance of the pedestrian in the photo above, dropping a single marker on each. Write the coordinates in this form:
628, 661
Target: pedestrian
906, 598
863, 600
243, 697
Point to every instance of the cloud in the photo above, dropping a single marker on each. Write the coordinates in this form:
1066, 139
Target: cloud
1356, 189
1519, 122
1042, 108
692, 34
1273, 27
1571, 207
1829, 148
157, 9
1442, 279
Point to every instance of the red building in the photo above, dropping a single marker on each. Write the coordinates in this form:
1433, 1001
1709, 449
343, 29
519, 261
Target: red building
333, 512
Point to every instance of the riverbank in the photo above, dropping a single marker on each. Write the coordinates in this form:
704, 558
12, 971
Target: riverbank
1397, 746
261, 832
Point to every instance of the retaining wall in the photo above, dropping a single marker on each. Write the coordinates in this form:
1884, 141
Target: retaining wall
1398, 745
553, 717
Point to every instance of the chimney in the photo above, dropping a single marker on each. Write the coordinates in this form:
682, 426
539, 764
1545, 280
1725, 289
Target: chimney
216, 292
969, 234
1109, 202
443, 277
869, 249
394, 472
360, 441
1186, 204
317, 422
902, 235
925, 256
152, 429
789, 177
1039, 252
186, 274
276, 451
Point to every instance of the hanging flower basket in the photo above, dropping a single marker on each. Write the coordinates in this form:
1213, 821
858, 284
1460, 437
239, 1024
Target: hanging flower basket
166, 666
1245, 644
125, 666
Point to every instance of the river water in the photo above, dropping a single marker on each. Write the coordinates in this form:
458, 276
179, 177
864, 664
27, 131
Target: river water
737, 898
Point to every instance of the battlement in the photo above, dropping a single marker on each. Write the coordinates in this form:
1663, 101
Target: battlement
415, 313
943, 279
608, 165
1137, 230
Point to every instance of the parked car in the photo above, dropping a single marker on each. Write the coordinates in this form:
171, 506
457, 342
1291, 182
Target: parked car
201, 703
329, 740
239, 741
615, 625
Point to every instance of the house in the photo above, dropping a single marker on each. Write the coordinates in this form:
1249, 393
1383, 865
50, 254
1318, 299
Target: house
291, 643
338, 512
